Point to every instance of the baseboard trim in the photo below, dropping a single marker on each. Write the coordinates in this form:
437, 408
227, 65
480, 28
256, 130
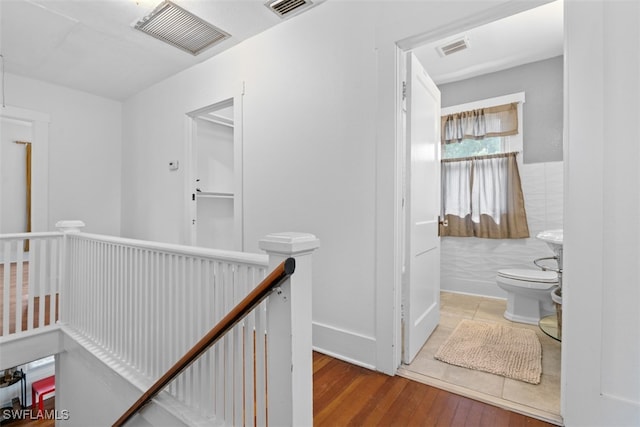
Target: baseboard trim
348, 346
479, 288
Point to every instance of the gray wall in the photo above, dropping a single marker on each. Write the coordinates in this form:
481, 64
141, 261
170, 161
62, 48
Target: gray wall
542, 83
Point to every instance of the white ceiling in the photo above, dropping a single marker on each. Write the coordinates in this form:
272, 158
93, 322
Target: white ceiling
90, 45
529, 36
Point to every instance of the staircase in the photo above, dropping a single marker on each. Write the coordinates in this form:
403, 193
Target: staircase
118, 313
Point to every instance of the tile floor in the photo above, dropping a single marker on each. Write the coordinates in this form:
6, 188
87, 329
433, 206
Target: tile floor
541, 401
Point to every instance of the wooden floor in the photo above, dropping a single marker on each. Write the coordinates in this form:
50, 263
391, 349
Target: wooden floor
347, 395
49, 405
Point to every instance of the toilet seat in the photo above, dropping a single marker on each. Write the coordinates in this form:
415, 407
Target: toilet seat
533, 279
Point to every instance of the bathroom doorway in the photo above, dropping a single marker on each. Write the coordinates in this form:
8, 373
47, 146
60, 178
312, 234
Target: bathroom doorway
456, 306
214, 175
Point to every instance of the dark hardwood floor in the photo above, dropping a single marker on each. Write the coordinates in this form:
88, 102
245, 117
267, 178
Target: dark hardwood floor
347, 395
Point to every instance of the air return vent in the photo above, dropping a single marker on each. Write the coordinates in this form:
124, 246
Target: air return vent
286, 8
454, 46
180, 28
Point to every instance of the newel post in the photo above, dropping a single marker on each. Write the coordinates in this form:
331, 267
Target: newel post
66, 227
70, 226
289, 355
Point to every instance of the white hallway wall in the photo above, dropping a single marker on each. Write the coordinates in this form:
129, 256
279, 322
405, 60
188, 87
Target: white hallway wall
319, 154
85, 137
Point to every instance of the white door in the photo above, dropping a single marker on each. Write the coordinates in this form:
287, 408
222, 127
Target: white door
421, 277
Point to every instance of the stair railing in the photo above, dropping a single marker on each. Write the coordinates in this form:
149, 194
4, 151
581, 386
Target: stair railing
255, 297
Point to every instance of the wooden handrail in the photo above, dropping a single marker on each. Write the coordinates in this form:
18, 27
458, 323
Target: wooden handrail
255, 297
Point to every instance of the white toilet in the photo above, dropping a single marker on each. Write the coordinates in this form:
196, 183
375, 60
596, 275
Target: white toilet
528, 294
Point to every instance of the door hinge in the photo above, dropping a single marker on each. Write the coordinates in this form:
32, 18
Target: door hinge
404, 90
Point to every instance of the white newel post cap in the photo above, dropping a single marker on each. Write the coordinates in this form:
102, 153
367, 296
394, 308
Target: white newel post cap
289, 243
70, 226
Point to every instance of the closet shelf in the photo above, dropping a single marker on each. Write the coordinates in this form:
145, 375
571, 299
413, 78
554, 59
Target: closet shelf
215, 194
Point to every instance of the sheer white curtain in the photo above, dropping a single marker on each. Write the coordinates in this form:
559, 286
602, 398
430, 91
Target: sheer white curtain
489, 191
456, 187
482, 197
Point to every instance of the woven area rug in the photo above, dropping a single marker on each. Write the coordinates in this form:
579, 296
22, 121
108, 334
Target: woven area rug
491, 347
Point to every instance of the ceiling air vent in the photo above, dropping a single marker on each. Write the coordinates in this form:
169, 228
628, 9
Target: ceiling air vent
286, 8
174, 25
453, 47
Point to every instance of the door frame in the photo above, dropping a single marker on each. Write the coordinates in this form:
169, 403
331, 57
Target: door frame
40, 163
402, 47
190, 207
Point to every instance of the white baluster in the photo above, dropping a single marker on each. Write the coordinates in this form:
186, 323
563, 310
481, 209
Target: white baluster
41, 288
54, 280
19, 286
261, 380
32, 256
6, 301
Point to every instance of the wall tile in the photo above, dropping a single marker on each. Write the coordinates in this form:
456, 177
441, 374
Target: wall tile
554, 177
533, 178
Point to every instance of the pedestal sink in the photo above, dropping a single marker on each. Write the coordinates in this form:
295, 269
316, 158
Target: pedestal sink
553, 238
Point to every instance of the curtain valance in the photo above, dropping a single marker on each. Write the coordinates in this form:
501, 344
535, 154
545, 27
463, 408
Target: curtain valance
501, 120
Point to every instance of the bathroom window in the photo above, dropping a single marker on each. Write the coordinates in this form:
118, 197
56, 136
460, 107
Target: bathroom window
481, 190
474, 147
